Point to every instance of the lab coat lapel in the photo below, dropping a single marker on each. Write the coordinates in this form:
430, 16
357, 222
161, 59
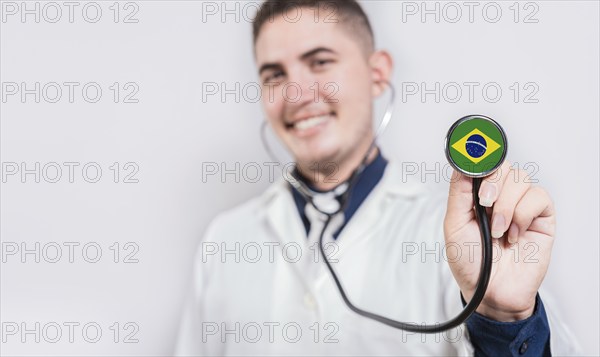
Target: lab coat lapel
282, 215
368, 216
283, 220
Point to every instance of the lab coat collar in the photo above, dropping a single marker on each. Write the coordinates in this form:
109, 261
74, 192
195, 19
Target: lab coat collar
279, 209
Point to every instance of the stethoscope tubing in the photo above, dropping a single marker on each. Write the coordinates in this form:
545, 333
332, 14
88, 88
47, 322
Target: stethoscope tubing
482, 283
481, 216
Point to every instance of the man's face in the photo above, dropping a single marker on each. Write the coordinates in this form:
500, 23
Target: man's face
317, 87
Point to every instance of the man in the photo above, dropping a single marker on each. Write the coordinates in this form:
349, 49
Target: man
273, 301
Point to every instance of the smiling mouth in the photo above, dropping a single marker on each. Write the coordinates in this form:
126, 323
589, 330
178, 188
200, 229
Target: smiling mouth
311, 122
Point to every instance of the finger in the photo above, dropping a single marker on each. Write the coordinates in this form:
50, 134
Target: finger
460, 201
513, 189
534, 210
492, 185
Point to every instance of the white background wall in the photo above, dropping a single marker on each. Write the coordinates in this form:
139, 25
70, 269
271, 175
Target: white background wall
170, 54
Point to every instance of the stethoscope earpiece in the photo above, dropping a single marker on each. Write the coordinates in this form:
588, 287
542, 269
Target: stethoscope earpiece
476, 146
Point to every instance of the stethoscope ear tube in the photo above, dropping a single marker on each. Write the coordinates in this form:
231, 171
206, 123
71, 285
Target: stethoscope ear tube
482, 283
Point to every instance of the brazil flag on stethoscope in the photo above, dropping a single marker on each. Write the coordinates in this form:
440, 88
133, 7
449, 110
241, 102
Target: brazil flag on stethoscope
476, 145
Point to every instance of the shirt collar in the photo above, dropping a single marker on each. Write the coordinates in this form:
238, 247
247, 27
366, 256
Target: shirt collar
366, 181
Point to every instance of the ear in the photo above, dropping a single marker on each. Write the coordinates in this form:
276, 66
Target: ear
381, 64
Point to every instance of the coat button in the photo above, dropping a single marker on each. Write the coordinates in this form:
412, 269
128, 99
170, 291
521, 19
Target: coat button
309, 301
523, 347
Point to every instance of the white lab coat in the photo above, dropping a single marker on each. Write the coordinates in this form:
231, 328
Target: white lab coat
271, 294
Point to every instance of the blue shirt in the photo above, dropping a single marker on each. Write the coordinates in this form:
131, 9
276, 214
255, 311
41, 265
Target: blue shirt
365, 182
529, 337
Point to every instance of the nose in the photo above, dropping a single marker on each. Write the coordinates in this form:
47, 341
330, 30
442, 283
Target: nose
301, 89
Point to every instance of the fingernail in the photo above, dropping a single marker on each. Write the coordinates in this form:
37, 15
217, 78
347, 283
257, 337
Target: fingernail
487, 194
513, 233
498, 224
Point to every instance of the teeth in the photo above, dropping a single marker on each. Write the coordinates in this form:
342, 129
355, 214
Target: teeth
310, 122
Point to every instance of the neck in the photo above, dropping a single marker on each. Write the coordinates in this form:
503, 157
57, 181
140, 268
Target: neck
328, 175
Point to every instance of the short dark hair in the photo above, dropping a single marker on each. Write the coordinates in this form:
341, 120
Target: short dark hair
349, 13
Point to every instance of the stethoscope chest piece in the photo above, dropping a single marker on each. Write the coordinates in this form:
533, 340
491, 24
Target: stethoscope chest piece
476, 145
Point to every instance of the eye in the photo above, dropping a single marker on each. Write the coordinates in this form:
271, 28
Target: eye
321, 62
273, 76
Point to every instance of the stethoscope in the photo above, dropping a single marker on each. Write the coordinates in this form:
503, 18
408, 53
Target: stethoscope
475, 146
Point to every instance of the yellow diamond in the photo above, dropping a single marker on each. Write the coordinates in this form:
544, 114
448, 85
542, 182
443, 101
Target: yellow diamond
461, 146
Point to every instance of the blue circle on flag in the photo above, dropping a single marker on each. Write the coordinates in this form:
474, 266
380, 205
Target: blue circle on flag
476, 145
